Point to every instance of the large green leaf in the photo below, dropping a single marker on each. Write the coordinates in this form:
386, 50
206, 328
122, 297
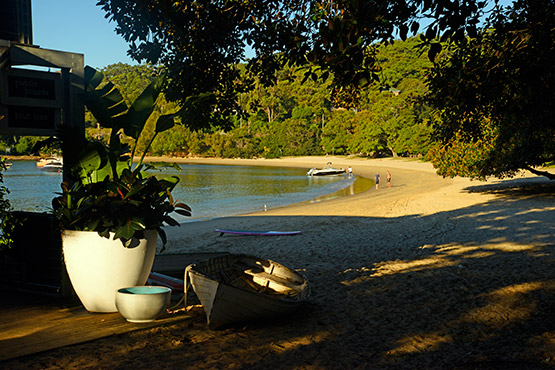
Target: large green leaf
104, 101
93, 77
128, 230
92, 165
135, 119
165, 122
113, 100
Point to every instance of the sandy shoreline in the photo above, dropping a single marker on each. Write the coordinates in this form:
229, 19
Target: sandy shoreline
431, 273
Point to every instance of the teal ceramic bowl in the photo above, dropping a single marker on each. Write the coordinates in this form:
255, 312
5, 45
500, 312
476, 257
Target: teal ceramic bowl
143, 303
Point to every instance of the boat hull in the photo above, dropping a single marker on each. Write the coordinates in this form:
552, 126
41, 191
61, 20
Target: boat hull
263, 289
327, 173
51, 164
51, 168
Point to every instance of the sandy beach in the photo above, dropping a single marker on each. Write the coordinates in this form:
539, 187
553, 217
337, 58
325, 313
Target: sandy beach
430, 273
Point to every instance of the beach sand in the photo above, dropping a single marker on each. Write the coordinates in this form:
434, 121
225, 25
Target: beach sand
431, 273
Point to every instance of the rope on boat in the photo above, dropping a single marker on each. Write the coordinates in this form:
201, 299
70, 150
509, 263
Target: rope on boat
183, 299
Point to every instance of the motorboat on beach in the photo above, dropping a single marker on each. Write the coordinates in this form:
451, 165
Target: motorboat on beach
328, 170
51, 164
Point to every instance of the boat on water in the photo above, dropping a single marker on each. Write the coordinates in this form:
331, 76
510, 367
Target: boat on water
51, 164
328, 170
238, 288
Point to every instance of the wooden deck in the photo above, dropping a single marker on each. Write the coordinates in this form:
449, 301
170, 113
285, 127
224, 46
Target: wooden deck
32, 323
36, 324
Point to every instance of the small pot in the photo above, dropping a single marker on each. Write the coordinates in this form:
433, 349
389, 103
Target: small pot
143, 303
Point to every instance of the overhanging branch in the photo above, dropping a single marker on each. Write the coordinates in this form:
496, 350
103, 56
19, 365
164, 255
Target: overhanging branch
549, 175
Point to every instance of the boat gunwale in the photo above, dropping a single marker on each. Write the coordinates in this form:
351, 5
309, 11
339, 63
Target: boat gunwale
301, 293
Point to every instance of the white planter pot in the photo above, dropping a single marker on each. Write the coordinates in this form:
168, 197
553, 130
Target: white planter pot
98, 267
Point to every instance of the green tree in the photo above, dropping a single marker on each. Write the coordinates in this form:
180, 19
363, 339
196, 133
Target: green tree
201, 42
493, 96
337, 131
369, 136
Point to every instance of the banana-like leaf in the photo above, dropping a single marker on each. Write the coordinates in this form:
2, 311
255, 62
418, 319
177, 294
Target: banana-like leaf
105, 102
164, 122
93, 163
135, 119
93, 77
97, 108
113, 100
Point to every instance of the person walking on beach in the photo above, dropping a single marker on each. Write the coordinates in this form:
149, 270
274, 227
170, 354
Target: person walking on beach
388, 179
350, 170
377, 179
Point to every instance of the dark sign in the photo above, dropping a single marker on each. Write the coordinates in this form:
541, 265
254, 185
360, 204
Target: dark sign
32, 117
31, 88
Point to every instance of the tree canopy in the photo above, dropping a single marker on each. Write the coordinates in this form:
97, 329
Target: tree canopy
202, 41
491, 86
494, 96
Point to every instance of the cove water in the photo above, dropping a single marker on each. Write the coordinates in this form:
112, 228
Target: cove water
210, 190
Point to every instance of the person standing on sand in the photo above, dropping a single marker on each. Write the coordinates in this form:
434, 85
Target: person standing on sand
350, 170
377, 179
388, 179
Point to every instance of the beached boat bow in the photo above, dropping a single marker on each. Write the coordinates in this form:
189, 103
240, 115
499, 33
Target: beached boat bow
328, 170
239, 288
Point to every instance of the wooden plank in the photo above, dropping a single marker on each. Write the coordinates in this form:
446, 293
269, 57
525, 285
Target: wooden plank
32, 327
31, 323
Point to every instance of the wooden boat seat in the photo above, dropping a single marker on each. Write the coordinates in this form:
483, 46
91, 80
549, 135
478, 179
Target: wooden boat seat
277, 283
238, 288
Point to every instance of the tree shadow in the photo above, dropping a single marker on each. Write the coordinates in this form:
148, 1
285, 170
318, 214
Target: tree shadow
471, 288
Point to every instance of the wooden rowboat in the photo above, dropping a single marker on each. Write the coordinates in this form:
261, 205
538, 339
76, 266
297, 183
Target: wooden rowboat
238, 288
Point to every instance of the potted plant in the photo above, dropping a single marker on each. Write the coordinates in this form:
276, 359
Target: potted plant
110, 209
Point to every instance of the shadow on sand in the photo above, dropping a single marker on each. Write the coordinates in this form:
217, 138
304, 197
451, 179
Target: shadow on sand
472, 288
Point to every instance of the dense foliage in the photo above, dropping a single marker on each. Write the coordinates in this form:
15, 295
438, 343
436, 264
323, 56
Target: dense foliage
201, 42
494, 96
293, 117
304, 92
487, 90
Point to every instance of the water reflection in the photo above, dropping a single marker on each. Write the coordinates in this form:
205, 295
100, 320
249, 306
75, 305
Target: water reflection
210, 190
359, 185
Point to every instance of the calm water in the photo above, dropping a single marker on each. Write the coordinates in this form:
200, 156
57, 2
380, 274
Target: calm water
210, 190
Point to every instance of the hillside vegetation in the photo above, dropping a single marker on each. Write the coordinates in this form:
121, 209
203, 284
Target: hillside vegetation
296, 116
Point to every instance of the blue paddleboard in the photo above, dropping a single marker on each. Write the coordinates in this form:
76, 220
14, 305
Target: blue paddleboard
265, 233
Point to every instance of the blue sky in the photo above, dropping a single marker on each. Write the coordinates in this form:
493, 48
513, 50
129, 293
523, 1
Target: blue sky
79, 26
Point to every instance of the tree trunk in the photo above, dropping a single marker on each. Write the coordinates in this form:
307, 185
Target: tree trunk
549, 175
